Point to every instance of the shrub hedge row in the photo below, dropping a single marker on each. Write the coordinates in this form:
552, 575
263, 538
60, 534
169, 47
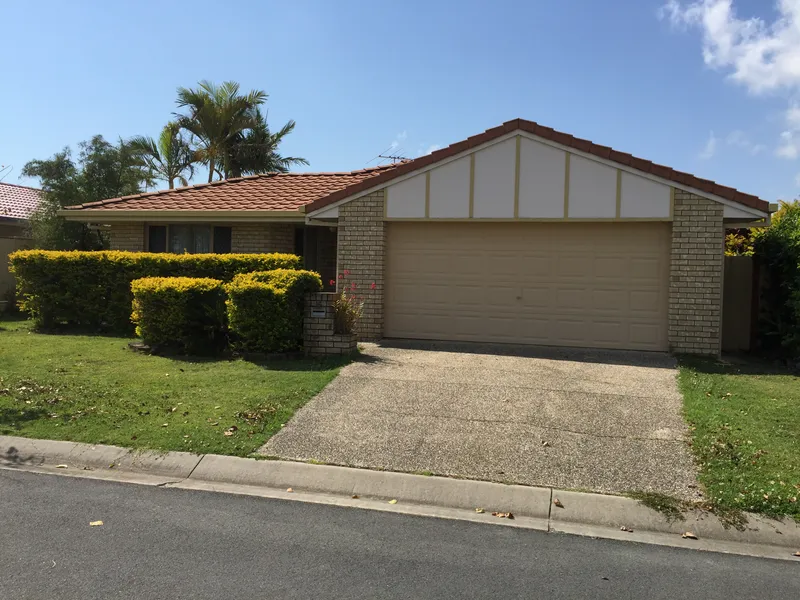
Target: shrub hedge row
92, 290
183, 314
265, 309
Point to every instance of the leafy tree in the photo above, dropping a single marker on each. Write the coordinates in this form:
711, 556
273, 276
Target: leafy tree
103, 170
777, 247
216, 115
232, 133
256, 150
168, 158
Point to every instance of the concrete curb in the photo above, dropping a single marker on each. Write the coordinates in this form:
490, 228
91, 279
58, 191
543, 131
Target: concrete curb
580, 513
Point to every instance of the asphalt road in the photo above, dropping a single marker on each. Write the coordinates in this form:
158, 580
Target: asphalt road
168, 543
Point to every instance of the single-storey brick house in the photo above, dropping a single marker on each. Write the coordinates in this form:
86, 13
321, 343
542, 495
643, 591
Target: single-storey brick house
17, 204
520, 234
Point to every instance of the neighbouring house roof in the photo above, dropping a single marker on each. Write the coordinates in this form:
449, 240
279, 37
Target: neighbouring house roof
307, 192
565, 139
269, 192
18, 202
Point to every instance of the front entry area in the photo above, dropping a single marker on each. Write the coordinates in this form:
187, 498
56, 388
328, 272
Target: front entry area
594, 285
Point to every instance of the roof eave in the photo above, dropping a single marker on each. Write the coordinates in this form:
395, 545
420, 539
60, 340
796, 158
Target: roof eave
173, 216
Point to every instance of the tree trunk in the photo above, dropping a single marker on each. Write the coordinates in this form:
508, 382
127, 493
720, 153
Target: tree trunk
211, 170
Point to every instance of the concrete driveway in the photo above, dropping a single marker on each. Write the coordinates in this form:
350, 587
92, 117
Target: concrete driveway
607, 421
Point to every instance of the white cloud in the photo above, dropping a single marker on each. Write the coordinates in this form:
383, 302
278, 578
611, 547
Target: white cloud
763, 56
789, 147
739, 139
710, 148
398, 139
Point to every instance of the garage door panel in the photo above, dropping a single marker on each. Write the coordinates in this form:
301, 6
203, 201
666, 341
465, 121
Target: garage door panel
572, 284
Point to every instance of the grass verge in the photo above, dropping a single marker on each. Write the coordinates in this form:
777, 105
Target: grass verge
745, 423
94, 389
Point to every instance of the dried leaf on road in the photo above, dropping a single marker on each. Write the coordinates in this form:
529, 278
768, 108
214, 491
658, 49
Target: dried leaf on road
796, 554
558, 503
480, 511
355, 496
689, 536
503, 515
95, 523
62, 466
289, 490
624, 528
392, 501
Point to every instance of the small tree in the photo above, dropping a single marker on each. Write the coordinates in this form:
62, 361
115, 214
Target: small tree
168, 158
103, 170
778, 250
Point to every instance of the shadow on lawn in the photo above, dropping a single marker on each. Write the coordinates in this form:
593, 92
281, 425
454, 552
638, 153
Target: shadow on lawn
737, 364
12, 418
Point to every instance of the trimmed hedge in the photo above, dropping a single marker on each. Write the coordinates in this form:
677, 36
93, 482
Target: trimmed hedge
265, 309
91, 290
180, 313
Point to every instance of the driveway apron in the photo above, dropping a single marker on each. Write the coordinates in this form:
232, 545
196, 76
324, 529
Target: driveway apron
606, 421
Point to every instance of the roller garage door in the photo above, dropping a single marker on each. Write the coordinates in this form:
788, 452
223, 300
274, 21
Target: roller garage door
599, 285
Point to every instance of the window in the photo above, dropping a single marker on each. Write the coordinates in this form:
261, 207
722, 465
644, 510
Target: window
222, 240
157, 238
194, 239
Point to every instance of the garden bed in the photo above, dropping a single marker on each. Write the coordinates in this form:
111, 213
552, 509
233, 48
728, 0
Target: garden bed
90, 388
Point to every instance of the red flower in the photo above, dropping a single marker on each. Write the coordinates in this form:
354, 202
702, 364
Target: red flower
332, 282
341, 276
373, 286
354, 286
346, 272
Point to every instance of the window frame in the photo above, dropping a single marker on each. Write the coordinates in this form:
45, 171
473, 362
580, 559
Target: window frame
212, 226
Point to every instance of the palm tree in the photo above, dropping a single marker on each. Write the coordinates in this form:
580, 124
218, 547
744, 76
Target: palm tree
169, 158
256, 150
217, 114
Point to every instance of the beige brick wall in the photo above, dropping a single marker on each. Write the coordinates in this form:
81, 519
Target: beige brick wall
245, 237
361, 248
696, 268
262, 237
127, 236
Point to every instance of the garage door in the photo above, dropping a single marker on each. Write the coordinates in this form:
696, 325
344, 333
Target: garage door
600, 285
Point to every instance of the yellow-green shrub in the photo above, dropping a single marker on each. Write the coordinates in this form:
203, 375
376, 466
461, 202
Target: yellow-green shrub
91, 290
180, 313
265, 309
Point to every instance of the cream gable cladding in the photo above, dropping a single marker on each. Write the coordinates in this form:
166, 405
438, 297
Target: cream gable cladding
523, 178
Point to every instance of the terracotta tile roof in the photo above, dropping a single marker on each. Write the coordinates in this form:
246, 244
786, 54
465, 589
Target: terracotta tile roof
564, 139
273, 191
18, 202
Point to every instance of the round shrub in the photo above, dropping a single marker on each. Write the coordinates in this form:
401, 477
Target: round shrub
183, 314
265, 309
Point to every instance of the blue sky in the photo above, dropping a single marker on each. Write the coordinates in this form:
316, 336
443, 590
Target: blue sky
686, 84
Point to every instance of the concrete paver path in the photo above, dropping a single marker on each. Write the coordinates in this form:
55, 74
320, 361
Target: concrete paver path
606, 421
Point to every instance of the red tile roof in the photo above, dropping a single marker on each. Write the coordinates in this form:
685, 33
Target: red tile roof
18, 202
273, 191
704, 185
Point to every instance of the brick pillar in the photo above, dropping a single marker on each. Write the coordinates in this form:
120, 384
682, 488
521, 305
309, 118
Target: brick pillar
695, 280
361, 247
127, 236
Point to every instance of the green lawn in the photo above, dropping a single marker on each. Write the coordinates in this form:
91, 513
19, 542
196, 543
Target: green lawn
88, 388
745, 421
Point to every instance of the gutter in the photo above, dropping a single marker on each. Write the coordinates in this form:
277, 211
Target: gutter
182, 216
